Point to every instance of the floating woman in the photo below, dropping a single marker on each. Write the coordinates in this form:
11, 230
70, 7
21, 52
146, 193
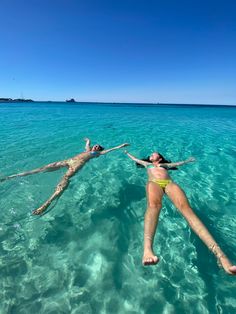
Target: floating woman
160, 183
73, 165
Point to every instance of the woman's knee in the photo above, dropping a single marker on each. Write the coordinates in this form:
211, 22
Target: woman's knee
154, 206
61, 186
185, 208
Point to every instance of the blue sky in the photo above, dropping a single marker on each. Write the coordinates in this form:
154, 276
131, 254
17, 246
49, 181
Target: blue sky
126, 51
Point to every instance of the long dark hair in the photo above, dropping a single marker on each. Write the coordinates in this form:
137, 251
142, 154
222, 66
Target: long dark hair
163, 161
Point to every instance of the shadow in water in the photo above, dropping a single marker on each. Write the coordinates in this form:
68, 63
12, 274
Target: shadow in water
123, 218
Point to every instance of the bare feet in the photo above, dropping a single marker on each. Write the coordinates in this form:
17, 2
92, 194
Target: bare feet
228, 267
232, 270
149, 258
39, 211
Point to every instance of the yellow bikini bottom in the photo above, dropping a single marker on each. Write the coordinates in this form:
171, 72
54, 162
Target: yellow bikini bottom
161, 183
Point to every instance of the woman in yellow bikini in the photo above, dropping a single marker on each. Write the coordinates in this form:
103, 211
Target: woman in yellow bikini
72, 164
160, 183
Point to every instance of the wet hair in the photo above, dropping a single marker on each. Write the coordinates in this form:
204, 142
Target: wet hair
163, 161
100, 148
147, 159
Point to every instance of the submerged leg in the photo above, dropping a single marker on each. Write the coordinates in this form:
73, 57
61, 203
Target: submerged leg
154, 200
50, 167
178, 197
63, 184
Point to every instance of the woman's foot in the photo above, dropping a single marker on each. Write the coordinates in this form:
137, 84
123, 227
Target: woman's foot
232, 270
228, 267
149, 258
39, 211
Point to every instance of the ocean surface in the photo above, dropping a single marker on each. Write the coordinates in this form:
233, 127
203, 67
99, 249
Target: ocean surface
84, 255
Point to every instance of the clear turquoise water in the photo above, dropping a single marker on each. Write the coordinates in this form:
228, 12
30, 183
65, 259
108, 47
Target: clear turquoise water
84, 255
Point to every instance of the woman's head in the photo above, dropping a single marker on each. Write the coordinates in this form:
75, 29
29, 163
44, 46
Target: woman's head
156, 157
97, 148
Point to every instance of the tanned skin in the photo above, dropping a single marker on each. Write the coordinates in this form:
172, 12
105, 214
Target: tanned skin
155, 193
73, 165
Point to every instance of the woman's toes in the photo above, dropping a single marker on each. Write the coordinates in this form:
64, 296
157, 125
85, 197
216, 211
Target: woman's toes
150, 260
232, 270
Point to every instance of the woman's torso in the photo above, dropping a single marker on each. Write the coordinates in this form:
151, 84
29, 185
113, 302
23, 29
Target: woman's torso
157, 173
80, 160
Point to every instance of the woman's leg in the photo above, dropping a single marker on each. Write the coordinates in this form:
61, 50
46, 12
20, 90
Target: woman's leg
50, 167
154, 203
179, 199
63, 184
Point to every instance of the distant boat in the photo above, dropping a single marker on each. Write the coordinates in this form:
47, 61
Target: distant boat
70, 100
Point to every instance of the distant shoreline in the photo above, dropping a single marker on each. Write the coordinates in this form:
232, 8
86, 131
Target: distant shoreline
15, 101
6, 100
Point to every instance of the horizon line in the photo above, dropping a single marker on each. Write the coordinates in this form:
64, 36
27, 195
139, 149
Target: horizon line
114, 103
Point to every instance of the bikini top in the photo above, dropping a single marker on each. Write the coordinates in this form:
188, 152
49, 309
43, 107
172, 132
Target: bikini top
150, 166
95, 153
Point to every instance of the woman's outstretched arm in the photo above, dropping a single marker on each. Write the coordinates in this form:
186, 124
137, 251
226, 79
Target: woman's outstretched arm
114, 148
87, 145
178, 163
139, 161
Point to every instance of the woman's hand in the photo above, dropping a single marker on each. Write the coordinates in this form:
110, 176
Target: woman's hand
191, 159
125, 151
124, 145
86, 139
